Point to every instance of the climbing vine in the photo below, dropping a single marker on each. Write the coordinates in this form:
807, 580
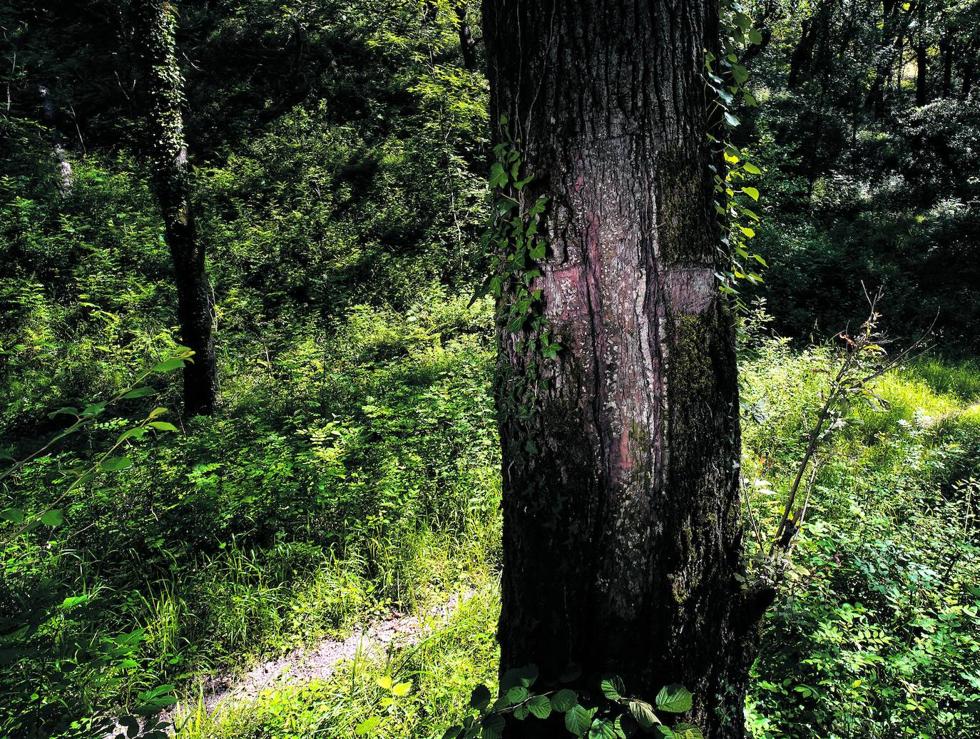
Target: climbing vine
726, 78
517, 246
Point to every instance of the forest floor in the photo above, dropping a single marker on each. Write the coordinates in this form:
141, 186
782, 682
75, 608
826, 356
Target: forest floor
397, 631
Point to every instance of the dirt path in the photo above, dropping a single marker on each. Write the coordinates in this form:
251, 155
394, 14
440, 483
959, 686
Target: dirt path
316, 663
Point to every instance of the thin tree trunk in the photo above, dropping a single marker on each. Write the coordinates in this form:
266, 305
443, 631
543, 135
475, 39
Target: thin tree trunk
171, 180
621, 512
467, 44
921, 75
799, 62
49, 112
946, 55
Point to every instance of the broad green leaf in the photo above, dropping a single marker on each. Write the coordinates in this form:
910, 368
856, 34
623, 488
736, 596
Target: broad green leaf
367, 725
612, 687
401, 689
14, 515
163, 426
564, 700
515, 695
643, 713
579, 719
603, 729
674, 699
52, 518
492, 726
751, 192
751, 168
140, 392
480, 697
74, 600
115, 464
169, 365
540, 706
519, 675
385, 682
732, 120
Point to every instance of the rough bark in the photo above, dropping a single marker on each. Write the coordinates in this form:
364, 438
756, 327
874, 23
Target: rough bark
621, 514
921, 48
156, 21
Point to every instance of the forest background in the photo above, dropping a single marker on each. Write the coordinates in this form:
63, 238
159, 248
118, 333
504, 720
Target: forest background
351, 468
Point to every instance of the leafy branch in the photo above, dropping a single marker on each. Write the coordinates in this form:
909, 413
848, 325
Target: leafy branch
106, 461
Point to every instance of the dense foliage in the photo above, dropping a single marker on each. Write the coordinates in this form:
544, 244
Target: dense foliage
352, 467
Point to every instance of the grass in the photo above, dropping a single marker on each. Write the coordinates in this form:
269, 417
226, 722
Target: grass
925, 417
356, 476
441, 671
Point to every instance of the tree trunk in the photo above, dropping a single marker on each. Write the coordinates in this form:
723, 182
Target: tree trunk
171, 180
620, 478
467, 44
946, 55
49, 113
921, 75
799, 61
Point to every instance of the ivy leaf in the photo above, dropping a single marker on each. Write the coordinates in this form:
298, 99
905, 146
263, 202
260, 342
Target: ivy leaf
564, 700
751, 168
674, 699
751, 192
579, 719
